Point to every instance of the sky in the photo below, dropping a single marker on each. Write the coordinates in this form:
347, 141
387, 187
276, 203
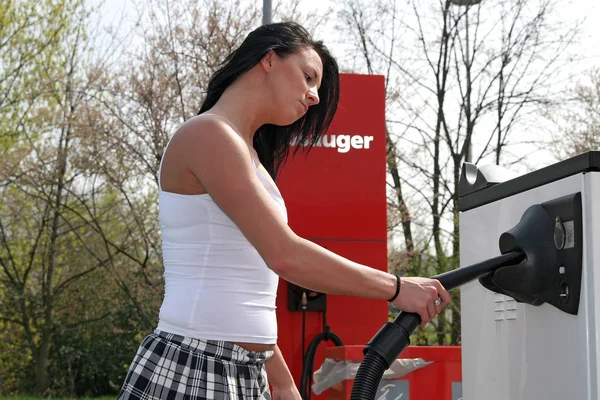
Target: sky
573, 9
570, 10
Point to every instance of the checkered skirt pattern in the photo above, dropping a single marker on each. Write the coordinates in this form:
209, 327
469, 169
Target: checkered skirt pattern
173, 367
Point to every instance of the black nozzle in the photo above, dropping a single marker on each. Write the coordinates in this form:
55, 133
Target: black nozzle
550, 236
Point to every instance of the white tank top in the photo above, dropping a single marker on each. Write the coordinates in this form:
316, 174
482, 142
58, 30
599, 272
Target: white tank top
217, 286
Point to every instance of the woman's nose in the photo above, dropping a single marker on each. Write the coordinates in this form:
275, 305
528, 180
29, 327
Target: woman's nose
313, 97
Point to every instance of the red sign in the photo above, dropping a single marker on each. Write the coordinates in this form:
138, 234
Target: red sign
336, 197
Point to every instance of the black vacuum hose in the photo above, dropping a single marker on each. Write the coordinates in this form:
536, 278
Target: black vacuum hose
368, 378
394, 336
309, 359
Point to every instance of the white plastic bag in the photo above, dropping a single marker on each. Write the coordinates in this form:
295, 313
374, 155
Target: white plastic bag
333, 372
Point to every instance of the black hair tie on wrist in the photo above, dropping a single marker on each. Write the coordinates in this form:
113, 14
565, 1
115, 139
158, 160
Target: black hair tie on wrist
397, 289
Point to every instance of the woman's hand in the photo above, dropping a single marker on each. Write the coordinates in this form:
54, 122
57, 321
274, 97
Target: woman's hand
418, 295
287, 393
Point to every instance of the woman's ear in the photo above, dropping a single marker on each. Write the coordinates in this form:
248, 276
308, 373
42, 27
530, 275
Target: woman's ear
267, 60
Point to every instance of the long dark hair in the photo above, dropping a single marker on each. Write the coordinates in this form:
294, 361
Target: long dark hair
272, 142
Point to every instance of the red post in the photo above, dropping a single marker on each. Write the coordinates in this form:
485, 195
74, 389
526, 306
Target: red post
336, 197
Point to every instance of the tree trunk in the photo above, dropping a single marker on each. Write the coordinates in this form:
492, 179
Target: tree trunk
392, 164
41, 364
435, 209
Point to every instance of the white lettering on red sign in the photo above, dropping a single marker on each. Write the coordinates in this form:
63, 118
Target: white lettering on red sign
343, 143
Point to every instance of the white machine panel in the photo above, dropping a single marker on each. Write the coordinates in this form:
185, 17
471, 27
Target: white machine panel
516, 351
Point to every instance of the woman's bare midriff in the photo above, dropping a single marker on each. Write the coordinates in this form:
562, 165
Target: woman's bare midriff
256, 346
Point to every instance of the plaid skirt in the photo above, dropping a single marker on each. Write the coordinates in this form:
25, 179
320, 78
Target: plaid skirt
168, 366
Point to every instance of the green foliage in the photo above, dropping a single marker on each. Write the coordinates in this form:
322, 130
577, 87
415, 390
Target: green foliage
31, 33
76, 246
92, 360
15, 358
96, 329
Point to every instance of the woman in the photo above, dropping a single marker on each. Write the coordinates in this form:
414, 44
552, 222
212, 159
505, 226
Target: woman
226, 240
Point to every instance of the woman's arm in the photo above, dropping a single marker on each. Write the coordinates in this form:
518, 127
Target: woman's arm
280, 377
221, 161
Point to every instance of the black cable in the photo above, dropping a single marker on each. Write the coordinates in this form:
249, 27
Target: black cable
309, 357
303, 305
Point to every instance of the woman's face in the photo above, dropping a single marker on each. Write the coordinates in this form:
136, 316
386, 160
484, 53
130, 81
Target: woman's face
294, 82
